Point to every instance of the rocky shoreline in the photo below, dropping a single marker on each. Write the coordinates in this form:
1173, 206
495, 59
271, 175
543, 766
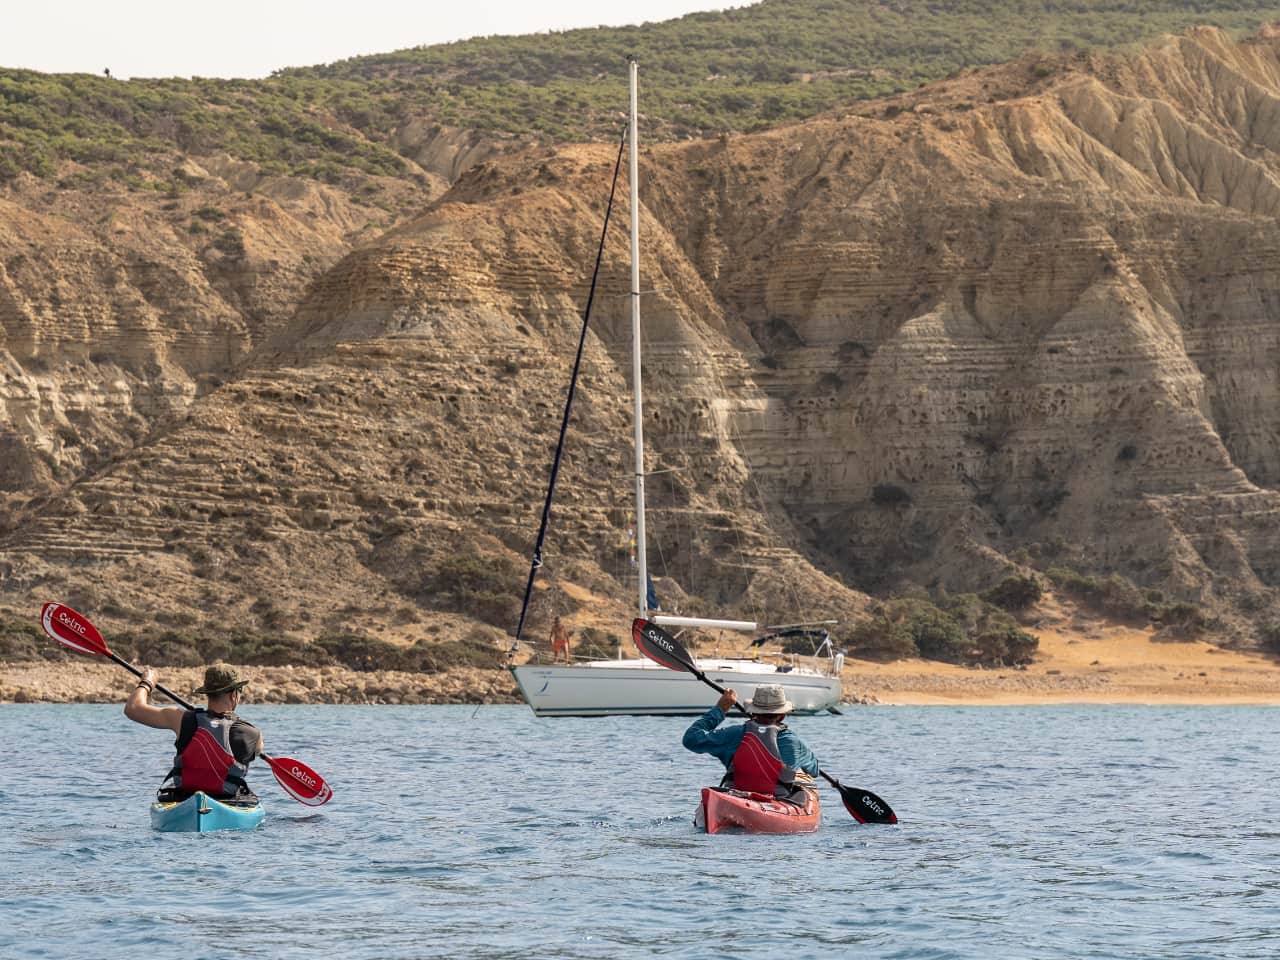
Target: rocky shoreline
1114, 665
79, 682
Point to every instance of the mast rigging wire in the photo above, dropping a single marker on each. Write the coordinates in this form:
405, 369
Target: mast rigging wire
568, 405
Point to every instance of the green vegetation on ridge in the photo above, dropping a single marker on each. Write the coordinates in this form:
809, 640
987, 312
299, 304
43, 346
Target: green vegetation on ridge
707, 72
283, 127
23, 641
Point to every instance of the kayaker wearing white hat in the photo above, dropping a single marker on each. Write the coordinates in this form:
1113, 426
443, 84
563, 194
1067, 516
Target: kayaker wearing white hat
761, 755
214, 746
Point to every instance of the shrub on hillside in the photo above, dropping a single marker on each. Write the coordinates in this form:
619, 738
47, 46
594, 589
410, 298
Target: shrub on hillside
1114, 595
483, 587
173, 648
359, 651
22, 641
1117, 596
1269, 634
995, 638
1017, 592
230, 243
165, 648
936, 635
1005, 644
963, 629
888, 494
278, 651
1186, 619
476, 649
882, 639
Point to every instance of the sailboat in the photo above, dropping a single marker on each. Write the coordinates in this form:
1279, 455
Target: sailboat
639, 686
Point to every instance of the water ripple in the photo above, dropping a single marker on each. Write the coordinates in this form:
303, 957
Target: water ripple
1051, 832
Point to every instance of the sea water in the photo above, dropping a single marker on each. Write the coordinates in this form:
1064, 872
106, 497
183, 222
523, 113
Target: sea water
1026, 832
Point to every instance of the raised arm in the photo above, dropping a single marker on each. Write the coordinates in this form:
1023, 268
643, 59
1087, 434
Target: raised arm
139, 708
703, 737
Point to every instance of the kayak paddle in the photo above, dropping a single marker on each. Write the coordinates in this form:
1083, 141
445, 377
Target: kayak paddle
75, 632
659, 646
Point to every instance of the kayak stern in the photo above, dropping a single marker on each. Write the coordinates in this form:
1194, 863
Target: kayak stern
200, 813
756, 812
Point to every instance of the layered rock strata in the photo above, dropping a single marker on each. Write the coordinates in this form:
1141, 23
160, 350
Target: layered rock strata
1029, 310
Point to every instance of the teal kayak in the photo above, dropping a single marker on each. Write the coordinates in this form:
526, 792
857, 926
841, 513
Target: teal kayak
200, 813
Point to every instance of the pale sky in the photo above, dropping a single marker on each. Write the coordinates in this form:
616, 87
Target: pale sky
238, 38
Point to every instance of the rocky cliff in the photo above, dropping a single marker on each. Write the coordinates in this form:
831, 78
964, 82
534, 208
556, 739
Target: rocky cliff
1029, 315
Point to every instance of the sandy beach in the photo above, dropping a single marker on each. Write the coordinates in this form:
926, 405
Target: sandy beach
1080, 661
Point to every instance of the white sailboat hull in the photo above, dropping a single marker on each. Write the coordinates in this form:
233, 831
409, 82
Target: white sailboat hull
643, 688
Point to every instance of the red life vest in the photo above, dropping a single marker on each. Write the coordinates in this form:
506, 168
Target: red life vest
205, 760
757, 765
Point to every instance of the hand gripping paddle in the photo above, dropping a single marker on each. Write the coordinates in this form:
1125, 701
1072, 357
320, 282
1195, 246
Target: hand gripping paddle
75, 632
659, 646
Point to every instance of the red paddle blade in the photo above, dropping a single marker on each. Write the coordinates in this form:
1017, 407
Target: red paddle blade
300, 781
660, 647
72, 630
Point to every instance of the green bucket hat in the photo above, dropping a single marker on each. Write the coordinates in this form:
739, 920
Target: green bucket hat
221, 679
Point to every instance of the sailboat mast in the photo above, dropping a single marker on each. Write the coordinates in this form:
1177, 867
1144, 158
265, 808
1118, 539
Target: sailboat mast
641, 556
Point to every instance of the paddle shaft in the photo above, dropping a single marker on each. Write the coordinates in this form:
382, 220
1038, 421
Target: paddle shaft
159, 689
715, 686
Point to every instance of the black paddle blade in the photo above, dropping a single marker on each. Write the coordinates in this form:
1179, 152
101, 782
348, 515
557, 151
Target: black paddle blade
865, 806
660, 647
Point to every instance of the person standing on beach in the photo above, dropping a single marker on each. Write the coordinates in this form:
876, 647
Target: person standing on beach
761, 755
214, 746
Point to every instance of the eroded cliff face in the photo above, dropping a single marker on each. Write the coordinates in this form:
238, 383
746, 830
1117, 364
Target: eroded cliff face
1041, 319
1033, 309
120, 304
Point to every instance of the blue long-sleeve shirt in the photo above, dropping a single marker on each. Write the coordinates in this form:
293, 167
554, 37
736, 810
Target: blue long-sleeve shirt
703, 737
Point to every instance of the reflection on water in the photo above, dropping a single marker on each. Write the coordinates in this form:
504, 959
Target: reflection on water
1027, 832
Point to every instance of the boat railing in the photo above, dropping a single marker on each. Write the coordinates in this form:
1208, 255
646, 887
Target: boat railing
821, 645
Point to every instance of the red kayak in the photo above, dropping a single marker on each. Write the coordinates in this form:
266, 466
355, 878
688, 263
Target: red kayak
757, 812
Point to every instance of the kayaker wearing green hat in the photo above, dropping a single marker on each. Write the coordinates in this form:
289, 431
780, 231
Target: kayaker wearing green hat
214, 746
761, 755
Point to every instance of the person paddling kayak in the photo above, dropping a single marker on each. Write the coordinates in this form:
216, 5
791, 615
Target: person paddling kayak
761, 755
214, 746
